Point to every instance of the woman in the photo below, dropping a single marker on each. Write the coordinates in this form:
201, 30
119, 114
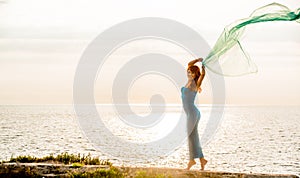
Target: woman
189, 91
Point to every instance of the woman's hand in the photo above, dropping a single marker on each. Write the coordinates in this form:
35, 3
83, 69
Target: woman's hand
199, 89
200, 59
191, 63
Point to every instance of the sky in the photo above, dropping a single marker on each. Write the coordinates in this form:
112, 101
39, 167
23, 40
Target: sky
41, 43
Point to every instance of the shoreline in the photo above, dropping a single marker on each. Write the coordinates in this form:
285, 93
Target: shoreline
16, 169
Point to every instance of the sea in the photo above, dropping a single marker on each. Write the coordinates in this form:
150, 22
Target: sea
248, 139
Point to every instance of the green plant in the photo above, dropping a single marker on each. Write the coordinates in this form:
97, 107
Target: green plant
145, 174
64, 158
77, 165
112, 172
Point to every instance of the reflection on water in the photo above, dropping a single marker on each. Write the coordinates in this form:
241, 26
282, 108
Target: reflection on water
249, 139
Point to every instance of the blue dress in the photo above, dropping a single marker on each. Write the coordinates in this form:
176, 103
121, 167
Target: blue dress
193, 117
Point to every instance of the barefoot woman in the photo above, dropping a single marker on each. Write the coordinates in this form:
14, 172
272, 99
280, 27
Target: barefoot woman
189, 91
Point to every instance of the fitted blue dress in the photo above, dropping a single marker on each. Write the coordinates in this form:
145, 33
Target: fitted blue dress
193, 117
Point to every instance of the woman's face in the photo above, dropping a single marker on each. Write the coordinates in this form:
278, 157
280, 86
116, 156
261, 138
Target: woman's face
190, 74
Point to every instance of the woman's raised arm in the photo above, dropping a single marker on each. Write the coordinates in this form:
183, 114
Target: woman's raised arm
199, 82
191, 63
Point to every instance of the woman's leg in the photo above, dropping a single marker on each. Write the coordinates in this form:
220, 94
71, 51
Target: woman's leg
194, 143
195, 149
203, 163
191, 144
190, 164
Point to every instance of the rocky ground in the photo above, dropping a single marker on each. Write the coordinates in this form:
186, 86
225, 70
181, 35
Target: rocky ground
78, 170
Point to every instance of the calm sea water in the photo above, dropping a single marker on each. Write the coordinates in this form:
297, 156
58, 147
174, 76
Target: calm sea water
260, 139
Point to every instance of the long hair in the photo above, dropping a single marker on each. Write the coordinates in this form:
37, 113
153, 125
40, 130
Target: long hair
195, 70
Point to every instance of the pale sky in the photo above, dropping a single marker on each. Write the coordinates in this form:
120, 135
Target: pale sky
41, 43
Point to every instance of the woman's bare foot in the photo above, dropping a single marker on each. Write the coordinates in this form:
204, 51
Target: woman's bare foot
190, 164
203, 163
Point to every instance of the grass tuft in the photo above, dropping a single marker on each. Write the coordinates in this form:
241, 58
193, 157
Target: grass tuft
64, 158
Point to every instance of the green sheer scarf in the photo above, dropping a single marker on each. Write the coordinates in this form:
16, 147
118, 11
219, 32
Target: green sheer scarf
228, 57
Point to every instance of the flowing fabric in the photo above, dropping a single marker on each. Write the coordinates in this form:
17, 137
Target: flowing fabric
227, 57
